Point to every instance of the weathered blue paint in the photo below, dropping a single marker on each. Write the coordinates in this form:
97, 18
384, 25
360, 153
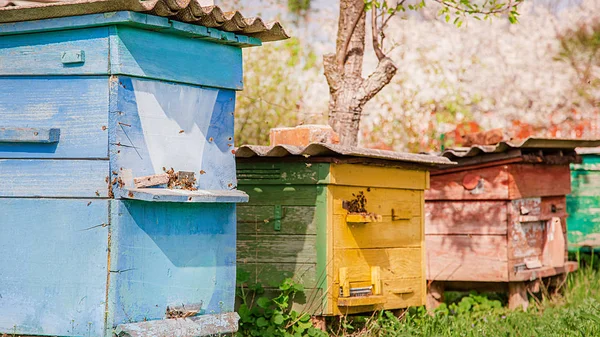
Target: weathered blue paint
29, 135
170, 254
40, 54
131, 19
103, 85
187, 128
149, 54
76, 105
53, 178
53, 255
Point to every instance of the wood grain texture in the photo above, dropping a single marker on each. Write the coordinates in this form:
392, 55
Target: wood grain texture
29, 135
53, 255
271, 275
293, 195
259, 220
467, 258
385, 234
395, 263
380, 201
466, 217
585, 183
142, 53
40, 53
531, 180
53, 178
278, 248
170, 254
277, 173
197, 326
374, 176
75, 105
493, 185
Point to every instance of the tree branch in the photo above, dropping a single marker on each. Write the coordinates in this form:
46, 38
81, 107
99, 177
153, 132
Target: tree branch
341, 57
383, 74
374, 35
471, 11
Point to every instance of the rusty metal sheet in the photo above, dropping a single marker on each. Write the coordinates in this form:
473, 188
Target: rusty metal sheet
529, 143
189, 11
332, 150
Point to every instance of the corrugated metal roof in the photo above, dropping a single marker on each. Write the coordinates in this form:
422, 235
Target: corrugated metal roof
332, 150
189, 11
529, 143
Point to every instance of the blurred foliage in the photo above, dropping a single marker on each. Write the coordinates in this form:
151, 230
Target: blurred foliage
298, 7
275, 86
580, 48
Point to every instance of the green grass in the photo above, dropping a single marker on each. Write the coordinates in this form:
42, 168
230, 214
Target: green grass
573, 311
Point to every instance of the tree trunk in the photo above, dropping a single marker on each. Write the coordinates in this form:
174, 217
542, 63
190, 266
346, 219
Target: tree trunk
349, 92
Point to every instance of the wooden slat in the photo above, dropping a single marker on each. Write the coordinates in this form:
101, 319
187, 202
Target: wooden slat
465, 217
43, 57
54, 263
143, 53
260, 220
531, 180
526, 239
395, 263
493, 185
197, 326
281, 172
530, 275
53, 178
584, 221
466, 258
272, 274
374, 176
29, 135
292, 195
76, 105
586, 183
535, 209
380, 201
385, 234
276, 248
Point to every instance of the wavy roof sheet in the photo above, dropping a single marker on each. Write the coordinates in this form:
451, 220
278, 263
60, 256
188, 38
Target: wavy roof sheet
189, 11
332, 150
529, 143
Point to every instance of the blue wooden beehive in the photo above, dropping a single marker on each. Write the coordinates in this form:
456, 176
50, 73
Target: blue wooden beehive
95, 94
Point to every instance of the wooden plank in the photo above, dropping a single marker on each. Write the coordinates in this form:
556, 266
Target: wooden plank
170, 253
277, 173
412, 294
466, 217
142, 53
183, 196
553, 254
198, 326
491, 185
385, 234
53, 255
299, 220
583, 221
530, 275
536, 209
21, 56
585, 183
377, 176
467, 258
272, 274
53, 178
381, 201
279, 248
156, 127
153, 180
533, 180
395, 263
29, 135
75, 105
290, 195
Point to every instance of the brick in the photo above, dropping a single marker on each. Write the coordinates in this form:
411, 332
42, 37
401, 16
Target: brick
303, 135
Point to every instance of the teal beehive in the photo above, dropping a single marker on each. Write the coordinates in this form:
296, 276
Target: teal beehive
96, 95
583, 204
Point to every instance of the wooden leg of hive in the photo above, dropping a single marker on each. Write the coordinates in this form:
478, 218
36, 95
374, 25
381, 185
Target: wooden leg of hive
435, 295
517, 296
319, 322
